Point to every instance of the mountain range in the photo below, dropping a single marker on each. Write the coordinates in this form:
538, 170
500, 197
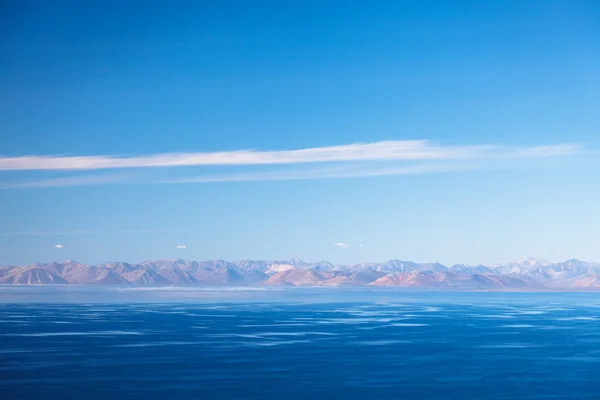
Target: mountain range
528, 274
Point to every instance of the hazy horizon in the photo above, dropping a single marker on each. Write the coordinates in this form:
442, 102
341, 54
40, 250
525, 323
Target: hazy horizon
308, 261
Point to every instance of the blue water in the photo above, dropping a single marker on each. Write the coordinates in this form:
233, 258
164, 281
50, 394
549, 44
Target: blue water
312, 344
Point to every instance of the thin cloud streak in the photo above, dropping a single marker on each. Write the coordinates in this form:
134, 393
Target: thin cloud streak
546, 151
59, 233
67, 181
377, 151
88, 232
353, 171
320, 174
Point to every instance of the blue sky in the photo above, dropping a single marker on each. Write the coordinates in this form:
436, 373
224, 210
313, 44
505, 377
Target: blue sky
461, 131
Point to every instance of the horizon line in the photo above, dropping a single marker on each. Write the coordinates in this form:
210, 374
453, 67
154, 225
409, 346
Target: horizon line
293, 259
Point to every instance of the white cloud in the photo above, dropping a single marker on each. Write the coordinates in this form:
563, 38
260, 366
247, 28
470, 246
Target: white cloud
388, 158
181, 246
384, 150
59, 246
342, 245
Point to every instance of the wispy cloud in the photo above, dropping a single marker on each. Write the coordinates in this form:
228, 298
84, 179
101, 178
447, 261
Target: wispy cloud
389, 158
150, 230
90, 232
66, 181
323, 173
49, 233
545, 151
378, 151
59, 246
181, 246
341, 245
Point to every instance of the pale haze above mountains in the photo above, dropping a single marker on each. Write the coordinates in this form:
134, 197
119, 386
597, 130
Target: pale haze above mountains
528, 274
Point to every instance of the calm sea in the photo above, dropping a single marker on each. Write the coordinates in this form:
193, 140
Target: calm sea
95, 343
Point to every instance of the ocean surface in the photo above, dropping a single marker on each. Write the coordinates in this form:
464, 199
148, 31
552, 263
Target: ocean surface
117, 343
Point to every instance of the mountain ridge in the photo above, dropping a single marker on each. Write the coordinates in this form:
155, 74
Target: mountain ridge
525, 274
